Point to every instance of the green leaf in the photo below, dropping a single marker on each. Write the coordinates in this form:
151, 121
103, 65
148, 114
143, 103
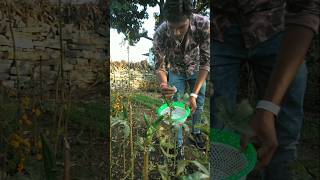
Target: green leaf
299, 170
221, 104
244, 111
49, 160
186, 97
157, 122
167, 154
150, 132
240, 121
146, 120
201, 167
196, 175
125, 113
165, 144
114, 121
182, 166
203, 128
163, 172
139, 143
118, 121
186, 127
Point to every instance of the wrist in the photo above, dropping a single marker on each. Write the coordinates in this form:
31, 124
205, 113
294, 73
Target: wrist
163, 84
194, 95
268, 106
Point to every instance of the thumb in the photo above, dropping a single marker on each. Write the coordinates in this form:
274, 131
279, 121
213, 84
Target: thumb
244, 140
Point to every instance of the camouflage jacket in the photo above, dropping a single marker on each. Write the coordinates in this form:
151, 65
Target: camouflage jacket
260, 19
185, 60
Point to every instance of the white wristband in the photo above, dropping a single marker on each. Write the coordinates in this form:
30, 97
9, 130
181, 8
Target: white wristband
268, 106
194, 95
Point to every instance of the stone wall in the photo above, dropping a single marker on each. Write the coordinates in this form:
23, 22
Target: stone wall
36, 40
139, 77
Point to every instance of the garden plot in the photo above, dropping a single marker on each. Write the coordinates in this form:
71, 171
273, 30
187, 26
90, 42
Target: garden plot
143, 146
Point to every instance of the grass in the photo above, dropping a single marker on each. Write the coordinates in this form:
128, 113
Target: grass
92, 115
86, 121
147, 101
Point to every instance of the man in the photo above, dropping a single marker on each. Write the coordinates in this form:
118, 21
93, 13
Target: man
181, 45
273, 38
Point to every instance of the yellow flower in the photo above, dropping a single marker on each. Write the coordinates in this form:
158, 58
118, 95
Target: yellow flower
26, 101
15, 143
39, 156
39, 144
24, 117
38, 112
27, 144
20, 167
17, 140
28, 122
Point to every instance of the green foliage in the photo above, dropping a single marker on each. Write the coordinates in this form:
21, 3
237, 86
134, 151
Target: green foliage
147, 101
8, 112
201, 7
163, 170
92, 115
203, 172
48, 160
146, 120
127, 16
238, 119
300, 172
196, 175
152, 127
35, 169
122, 121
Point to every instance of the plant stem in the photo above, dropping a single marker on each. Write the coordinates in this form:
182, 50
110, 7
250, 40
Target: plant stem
14, 47
131, 141
124, 156
67, 165
171, 107
146, 161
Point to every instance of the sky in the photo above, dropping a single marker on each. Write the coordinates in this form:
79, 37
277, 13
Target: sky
118, 51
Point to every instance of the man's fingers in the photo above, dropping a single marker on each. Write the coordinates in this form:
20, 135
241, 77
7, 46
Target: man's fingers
169, 96
167, 88
244, 140
265, 154
168, 91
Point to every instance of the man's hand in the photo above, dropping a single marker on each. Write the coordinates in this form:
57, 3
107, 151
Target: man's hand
193, 104
168, 91
263, 124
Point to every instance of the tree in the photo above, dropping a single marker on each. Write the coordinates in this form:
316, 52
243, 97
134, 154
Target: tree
127, 16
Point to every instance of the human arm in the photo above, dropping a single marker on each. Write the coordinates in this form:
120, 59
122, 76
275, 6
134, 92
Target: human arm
160, 66
204, 48
301, 24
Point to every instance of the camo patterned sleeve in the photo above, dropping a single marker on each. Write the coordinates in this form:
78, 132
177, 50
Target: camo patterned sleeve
205, 46
158, 45
304, 12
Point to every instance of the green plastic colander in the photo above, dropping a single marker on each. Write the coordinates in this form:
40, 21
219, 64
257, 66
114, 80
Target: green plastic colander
179, 115
228, 162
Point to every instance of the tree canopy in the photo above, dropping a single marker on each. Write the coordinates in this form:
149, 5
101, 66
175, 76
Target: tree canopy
127, 16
